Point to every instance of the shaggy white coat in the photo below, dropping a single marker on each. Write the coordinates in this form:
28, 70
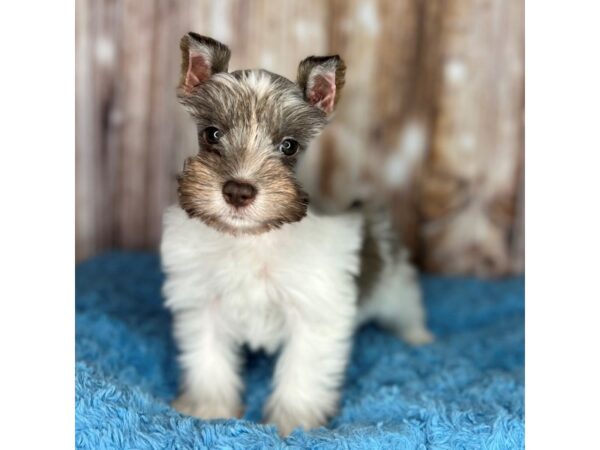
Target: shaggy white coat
292, 289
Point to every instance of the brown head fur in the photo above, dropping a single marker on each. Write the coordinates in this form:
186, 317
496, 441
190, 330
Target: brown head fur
244, 120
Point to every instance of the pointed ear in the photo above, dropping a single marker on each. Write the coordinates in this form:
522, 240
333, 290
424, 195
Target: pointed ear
321, 79
201, 58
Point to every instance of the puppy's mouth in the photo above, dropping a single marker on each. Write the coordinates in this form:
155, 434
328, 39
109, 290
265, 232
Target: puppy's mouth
239, 221
239, 217
242, 221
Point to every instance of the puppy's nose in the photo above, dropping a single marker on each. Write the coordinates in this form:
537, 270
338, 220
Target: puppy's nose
238, 194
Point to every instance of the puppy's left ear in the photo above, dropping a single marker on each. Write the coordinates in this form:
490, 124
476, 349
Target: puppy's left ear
321, 79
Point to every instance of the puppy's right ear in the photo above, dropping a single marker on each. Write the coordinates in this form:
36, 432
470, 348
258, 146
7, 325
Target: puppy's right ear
201, 58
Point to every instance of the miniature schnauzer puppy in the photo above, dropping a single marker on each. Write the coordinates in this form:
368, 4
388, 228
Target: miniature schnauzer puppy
246, 259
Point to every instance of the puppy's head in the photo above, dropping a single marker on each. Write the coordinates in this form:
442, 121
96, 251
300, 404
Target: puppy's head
253, 126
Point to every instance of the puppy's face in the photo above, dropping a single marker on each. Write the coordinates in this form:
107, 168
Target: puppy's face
252, 128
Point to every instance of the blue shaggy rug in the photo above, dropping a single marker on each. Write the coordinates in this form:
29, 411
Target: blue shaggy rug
465, 391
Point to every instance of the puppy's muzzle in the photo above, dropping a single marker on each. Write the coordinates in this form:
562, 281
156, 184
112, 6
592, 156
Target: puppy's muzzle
238, 194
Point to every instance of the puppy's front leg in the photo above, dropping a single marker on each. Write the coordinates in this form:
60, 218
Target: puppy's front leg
210, 362
309, 374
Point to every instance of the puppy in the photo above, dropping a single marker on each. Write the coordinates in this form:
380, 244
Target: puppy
248, 262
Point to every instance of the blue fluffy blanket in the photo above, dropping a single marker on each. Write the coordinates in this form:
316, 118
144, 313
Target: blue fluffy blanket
463, 391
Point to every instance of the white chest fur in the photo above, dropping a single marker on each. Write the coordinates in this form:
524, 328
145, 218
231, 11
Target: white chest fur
257, 287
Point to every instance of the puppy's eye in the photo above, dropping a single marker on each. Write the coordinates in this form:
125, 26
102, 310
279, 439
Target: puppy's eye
288, 147
212, 135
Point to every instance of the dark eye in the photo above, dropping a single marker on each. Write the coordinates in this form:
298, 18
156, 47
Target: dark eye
288, 147
212, 135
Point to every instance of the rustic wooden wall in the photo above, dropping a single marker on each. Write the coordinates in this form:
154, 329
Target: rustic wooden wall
432, 114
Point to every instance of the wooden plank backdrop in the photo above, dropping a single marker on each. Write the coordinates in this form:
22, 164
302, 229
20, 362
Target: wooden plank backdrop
432, 114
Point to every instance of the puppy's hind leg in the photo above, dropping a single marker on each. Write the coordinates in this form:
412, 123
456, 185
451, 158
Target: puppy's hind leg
396, 303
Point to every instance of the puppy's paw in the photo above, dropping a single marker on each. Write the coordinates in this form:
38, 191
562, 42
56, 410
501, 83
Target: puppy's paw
417, 336
287, 418
207, 410
183, 404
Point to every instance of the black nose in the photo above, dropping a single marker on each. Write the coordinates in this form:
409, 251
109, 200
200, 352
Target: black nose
238, 194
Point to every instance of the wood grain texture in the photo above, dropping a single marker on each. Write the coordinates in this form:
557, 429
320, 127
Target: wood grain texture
431, 117
471, 180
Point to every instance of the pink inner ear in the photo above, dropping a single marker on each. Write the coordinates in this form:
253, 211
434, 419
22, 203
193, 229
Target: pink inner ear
198, 71
322, 92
